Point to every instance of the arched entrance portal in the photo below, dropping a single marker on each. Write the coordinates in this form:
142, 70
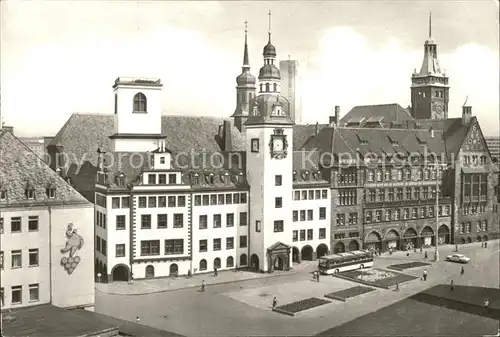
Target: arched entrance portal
150, 271
322, 250
391, 240
444, 235
339, 248
307, 253
243, 260
295, 255
427, 237
254, 261
373, 241
174, 269
279, 264
410, 239
120, 272
353, 245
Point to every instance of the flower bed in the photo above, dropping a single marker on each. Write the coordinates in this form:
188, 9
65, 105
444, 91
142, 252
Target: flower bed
343, 295
292, 308
409, 265
375, 277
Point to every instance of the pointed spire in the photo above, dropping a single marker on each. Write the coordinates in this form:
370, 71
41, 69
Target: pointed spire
269, 26
246, 63
430, 25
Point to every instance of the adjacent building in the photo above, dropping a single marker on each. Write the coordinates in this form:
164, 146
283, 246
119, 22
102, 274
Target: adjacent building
493, 144
47, 234
290, 88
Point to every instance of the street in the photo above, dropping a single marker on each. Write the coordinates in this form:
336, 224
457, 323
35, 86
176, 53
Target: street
243, 308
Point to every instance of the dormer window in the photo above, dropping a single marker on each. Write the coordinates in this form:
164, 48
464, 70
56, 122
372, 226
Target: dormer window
210, 178
278, 111
30, 192
140, 103
239, 177
162, 160
294, 175
120, 180
225, 178
316, 175
51, 191
255, 110
196, 178
305, 175
3, 193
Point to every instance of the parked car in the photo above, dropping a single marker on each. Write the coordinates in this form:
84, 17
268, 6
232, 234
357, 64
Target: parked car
460, 258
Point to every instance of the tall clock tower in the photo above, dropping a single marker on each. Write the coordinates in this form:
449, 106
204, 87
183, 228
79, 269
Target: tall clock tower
429, 87
269, 132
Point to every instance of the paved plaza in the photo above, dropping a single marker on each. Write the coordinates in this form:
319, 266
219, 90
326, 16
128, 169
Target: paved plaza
244, 307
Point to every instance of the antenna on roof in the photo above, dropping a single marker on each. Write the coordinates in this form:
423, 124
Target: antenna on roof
466, 98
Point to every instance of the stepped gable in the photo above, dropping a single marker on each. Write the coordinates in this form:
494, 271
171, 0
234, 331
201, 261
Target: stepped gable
388, 113
22, 169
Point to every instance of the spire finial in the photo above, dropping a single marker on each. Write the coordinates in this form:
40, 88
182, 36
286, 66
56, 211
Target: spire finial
246, 27
246, 63
430, 24
269, 25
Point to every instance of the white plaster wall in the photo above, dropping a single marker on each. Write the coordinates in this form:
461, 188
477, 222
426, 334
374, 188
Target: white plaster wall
114, 236
314, 224
162, 269
214, 233
24, 241
138, 123
135, 144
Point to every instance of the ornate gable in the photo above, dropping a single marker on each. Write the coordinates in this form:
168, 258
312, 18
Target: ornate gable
474, 141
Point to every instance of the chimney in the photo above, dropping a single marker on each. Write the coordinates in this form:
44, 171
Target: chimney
432, 132
466, 114
316, 130
334, 120
227, 136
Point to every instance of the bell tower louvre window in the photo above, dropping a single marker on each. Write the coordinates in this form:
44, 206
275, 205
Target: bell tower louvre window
140, 103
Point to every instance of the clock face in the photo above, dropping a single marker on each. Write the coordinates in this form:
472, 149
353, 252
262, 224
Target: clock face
278, 144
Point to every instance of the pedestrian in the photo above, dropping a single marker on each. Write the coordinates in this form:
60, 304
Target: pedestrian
397, 287
462, 271
421, 249
486, 245
390, 251
407, 254
137, 319
486, 303
451, 285
216, 273
425, 256
482, 244
456, 247
425, 275
203, 285
275, 302
317, 276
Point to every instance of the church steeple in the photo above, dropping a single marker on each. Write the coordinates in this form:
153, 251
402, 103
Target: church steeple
429, 89
269, 74
245, 89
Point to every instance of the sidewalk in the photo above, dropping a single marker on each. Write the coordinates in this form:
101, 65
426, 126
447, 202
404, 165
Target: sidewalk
158, 285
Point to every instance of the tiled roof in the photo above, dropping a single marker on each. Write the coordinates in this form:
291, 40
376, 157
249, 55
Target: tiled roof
84, 133
303, 133
388, 112
20, 167
306, 168
348, 142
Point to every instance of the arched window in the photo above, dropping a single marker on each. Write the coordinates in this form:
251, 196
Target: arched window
243, 260
203, 265
230, 262
267, 87
275, 87
217, 263
260, 87
140, 103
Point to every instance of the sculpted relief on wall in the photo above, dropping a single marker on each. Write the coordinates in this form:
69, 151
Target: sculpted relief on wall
73, 244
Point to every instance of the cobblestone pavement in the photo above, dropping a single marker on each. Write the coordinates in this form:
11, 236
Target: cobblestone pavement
233, 308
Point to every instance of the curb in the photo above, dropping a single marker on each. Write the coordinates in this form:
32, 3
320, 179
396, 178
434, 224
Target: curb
360, 281
333, 297
194, 286
284, 312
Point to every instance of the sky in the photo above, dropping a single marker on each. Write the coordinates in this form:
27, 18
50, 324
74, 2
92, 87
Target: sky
62, 57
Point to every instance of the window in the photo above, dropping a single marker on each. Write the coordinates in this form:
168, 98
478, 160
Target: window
16, 259
467, 227
302, 235
125, 202
378, 216
423, 212
30, 193
309, 234
322, 233
162, 201
151, 179
485, 226
368, 216
295, 216
278, 226
446, 210
324, 194
1, 260
104, 247
17, 296
340, 219
33, 223
408, 193
140, 103
217, 244
243, 241
478, 226
33, 257
414, 212
379, 175
406, 213
229, 199
178, 220
243, 198
322, 213
213, 199
115, 202
311, 195
162, 221
120, 222
15, 225
172, 178
257, 226
3, 194
243, 218
145, 221
353, 218
278, 202
2, 297
431, 211
236, 198
181, 201
142, 202
296, 195
309, 214
230, 243
278, 180
381, 195
171, 201
1, 225
217, 221
387, 216
397, 214
203, 222
120, 250
295, 236
302, 215
203, 246
152, 202
150, 247
174, 247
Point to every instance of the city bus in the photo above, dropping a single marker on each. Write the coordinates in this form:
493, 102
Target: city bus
337, 263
